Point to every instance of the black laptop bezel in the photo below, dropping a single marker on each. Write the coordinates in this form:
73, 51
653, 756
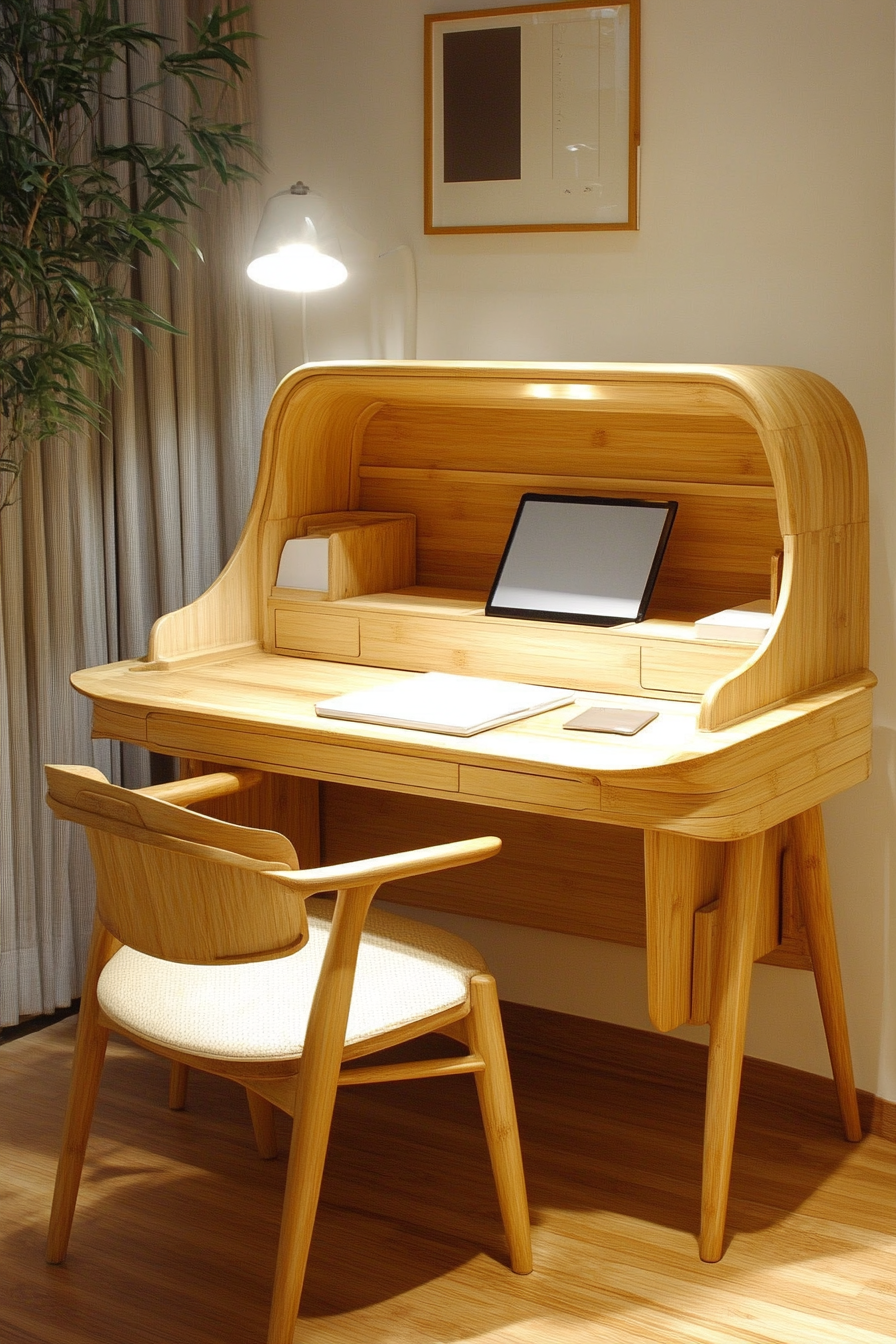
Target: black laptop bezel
584, 618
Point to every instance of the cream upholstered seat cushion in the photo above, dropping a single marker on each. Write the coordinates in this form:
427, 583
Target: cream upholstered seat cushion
406, 971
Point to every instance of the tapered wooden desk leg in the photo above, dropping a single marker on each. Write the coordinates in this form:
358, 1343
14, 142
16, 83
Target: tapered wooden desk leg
738, 909
810, 855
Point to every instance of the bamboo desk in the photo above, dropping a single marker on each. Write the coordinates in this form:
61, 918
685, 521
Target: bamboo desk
725, 785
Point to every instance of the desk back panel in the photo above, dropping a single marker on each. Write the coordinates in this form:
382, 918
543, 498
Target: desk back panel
552, 873
719, 553
574, 438
462, 472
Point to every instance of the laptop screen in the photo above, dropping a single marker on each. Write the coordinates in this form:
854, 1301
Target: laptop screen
587, 560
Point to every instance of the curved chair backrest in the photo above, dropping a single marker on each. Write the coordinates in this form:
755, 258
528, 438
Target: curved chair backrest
178, 885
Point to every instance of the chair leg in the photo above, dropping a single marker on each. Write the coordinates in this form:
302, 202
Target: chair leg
177, 1085
90, 1053
307, 1154
807, 838
87, 1066
313, 1108
499, 1119
262, 1113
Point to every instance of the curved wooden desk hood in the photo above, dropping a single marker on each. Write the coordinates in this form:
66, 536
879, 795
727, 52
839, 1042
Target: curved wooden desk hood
761, 459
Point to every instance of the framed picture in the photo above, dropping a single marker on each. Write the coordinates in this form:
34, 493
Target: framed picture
532, 119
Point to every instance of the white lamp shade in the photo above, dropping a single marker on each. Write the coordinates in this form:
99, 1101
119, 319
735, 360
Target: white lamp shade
296, 247
297, 267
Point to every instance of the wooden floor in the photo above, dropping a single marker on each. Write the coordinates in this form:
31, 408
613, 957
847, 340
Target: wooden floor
175, 1235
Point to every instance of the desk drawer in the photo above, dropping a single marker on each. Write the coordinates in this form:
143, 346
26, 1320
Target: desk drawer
213, 742
115, 721
328, 634
539, 790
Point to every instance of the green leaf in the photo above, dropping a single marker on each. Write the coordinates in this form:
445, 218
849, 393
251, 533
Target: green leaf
77, 209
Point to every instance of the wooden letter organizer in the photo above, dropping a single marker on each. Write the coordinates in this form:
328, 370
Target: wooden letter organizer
709, 845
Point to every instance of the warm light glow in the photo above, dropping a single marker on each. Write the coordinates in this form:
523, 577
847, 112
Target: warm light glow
297, 267
570, 391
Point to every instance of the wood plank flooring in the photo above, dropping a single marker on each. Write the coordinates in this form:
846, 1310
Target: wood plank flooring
175, 1234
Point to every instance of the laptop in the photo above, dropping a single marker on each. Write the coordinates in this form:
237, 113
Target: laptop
582, 559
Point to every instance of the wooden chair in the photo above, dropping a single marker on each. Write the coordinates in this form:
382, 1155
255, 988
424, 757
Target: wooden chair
208, 950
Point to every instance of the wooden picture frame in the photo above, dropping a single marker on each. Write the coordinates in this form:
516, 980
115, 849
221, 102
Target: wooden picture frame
532, 119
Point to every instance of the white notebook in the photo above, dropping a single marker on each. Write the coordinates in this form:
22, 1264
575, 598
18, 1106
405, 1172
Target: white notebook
437, 702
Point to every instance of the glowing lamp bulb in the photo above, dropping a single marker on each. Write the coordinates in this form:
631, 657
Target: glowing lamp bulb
297, 267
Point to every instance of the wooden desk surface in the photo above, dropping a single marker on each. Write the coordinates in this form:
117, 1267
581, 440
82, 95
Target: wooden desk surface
258, 709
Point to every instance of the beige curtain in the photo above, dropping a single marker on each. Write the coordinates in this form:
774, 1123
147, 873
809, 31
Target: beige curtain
109, 534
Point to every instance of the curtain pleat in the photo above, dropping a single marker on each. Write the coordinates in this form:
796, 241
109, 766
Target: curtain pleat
111, 532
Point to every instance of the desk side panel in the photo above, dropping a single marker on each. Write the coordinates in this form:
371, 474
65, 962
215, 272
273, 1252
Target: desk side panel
820, 630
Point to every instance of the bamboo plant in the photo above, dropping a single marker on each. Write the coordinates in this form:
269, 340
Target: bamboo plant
78, 207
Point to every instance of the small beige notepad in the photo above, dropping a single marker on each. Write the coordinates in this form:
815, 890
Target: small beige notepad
437, 702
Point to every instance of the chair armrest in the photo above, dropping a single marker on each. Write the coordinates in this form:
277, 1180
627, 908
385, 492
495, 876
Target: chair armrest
198, 789
390, 867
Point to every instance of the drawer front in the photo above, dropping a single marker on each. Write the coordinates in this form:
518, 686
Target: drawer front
690, 668
537, 790
329, 634
110, 721
215, 742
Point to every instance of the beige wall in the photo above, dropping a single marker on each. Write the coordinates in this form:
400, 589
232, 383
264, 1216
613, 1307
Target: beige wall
767, 237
